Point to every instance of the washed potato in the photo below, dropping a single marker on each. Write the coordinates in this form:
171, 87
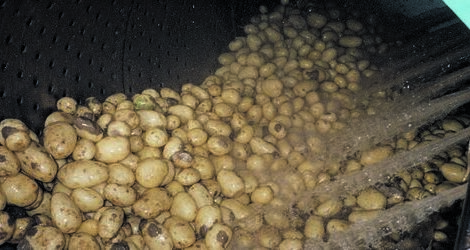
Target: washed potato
218, 236
87, 199
155, 137
183, 206
65, 213
60, 139
120, 174
112, 149
37, 163
84, 150
20, 190
231, 184
9, 163
83, 173
120, 195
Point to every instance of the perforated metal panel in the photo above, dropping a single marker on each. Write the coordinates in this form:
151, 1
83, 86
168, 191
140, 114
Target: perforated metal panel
51, 49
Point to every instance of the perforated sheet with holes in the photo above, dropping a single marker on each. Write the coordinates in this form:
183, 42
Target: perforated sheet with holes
80, 48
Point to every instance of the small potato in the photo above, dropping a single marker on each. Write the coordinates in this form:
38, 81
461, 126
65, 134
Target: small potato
223, 110
260, 146
183, 207
375, 155
217, 127
83, 173
65, 213
37, 163
87, 199
188, 176
120, 195
181, 232
219, 145
43, 237
151, 203
329, 208
197, 136
151, 172
262, 195
272, 87
371, 199
155, 235
89, 129
127, 115
231, 184
174, 144
350, 41
20, 190
200, 195
218, 237
314, 228
155, 137
110, 222
60, 139
112, 149
184, 112
120, 174
83, 241
151, 119
453, 172
9, 163
84, 150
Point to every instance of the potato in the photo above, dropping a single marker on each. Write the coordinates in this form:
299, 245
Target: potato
183, 206
350, 41
329, 208
453, 172
120, 174
65, 213
83, 240
314, 228
14, 134
219, 145
197, 136
217, 127
112, 149
188, 176
260, 146
110, 222
181, 232
371, 199
184, 112
7, 227
336, 225
60, 139
83, 173
200, 195
43, 237
151, 203
151, 172
37, 163
375, 155
269, 237
218, 237
22, 225
9, 163
262, 195
363, 215
20, 190
87, 199
174, 144
84, 150
155, 235
120, 195
89, 129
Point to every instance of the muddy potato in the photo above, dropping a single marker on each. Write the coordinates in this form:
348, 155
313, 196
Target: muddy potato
200, 195
87, 199
65, 213
20, 190
337, 225
206, 217
83, 173
120, 174
269, 237
155, 137
182, 159
83, 240
363, 215
60, 139
155, 235
329, 208
174, 144
184, 112
9, 163
188, 176
14, 134
231, 184
204, 166
218, 237
22, 225
151, 203
43, 237
3, 200
151, 172
37, 163
219, 145
197, 136
84, 150
375, 155
120, 195
262, 195
110, 222
453, 172
89, 129
181, 232
371, 199
112, 149
7, 227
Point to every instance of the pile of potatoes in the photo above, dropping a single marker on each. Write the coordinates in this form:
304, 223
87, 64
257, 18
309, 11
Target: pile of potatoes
213, 166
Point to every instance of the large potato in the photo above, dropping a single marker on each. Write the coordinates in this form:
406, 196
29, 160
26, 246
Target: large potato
65, 213
60, 139
9, 163
83, 173
112, 149
37, 163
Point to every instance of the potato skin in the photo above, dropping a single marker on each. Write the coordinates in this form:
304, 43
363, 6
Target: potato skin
82, 173
60, 139
37, 163
65, 213
9, 163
